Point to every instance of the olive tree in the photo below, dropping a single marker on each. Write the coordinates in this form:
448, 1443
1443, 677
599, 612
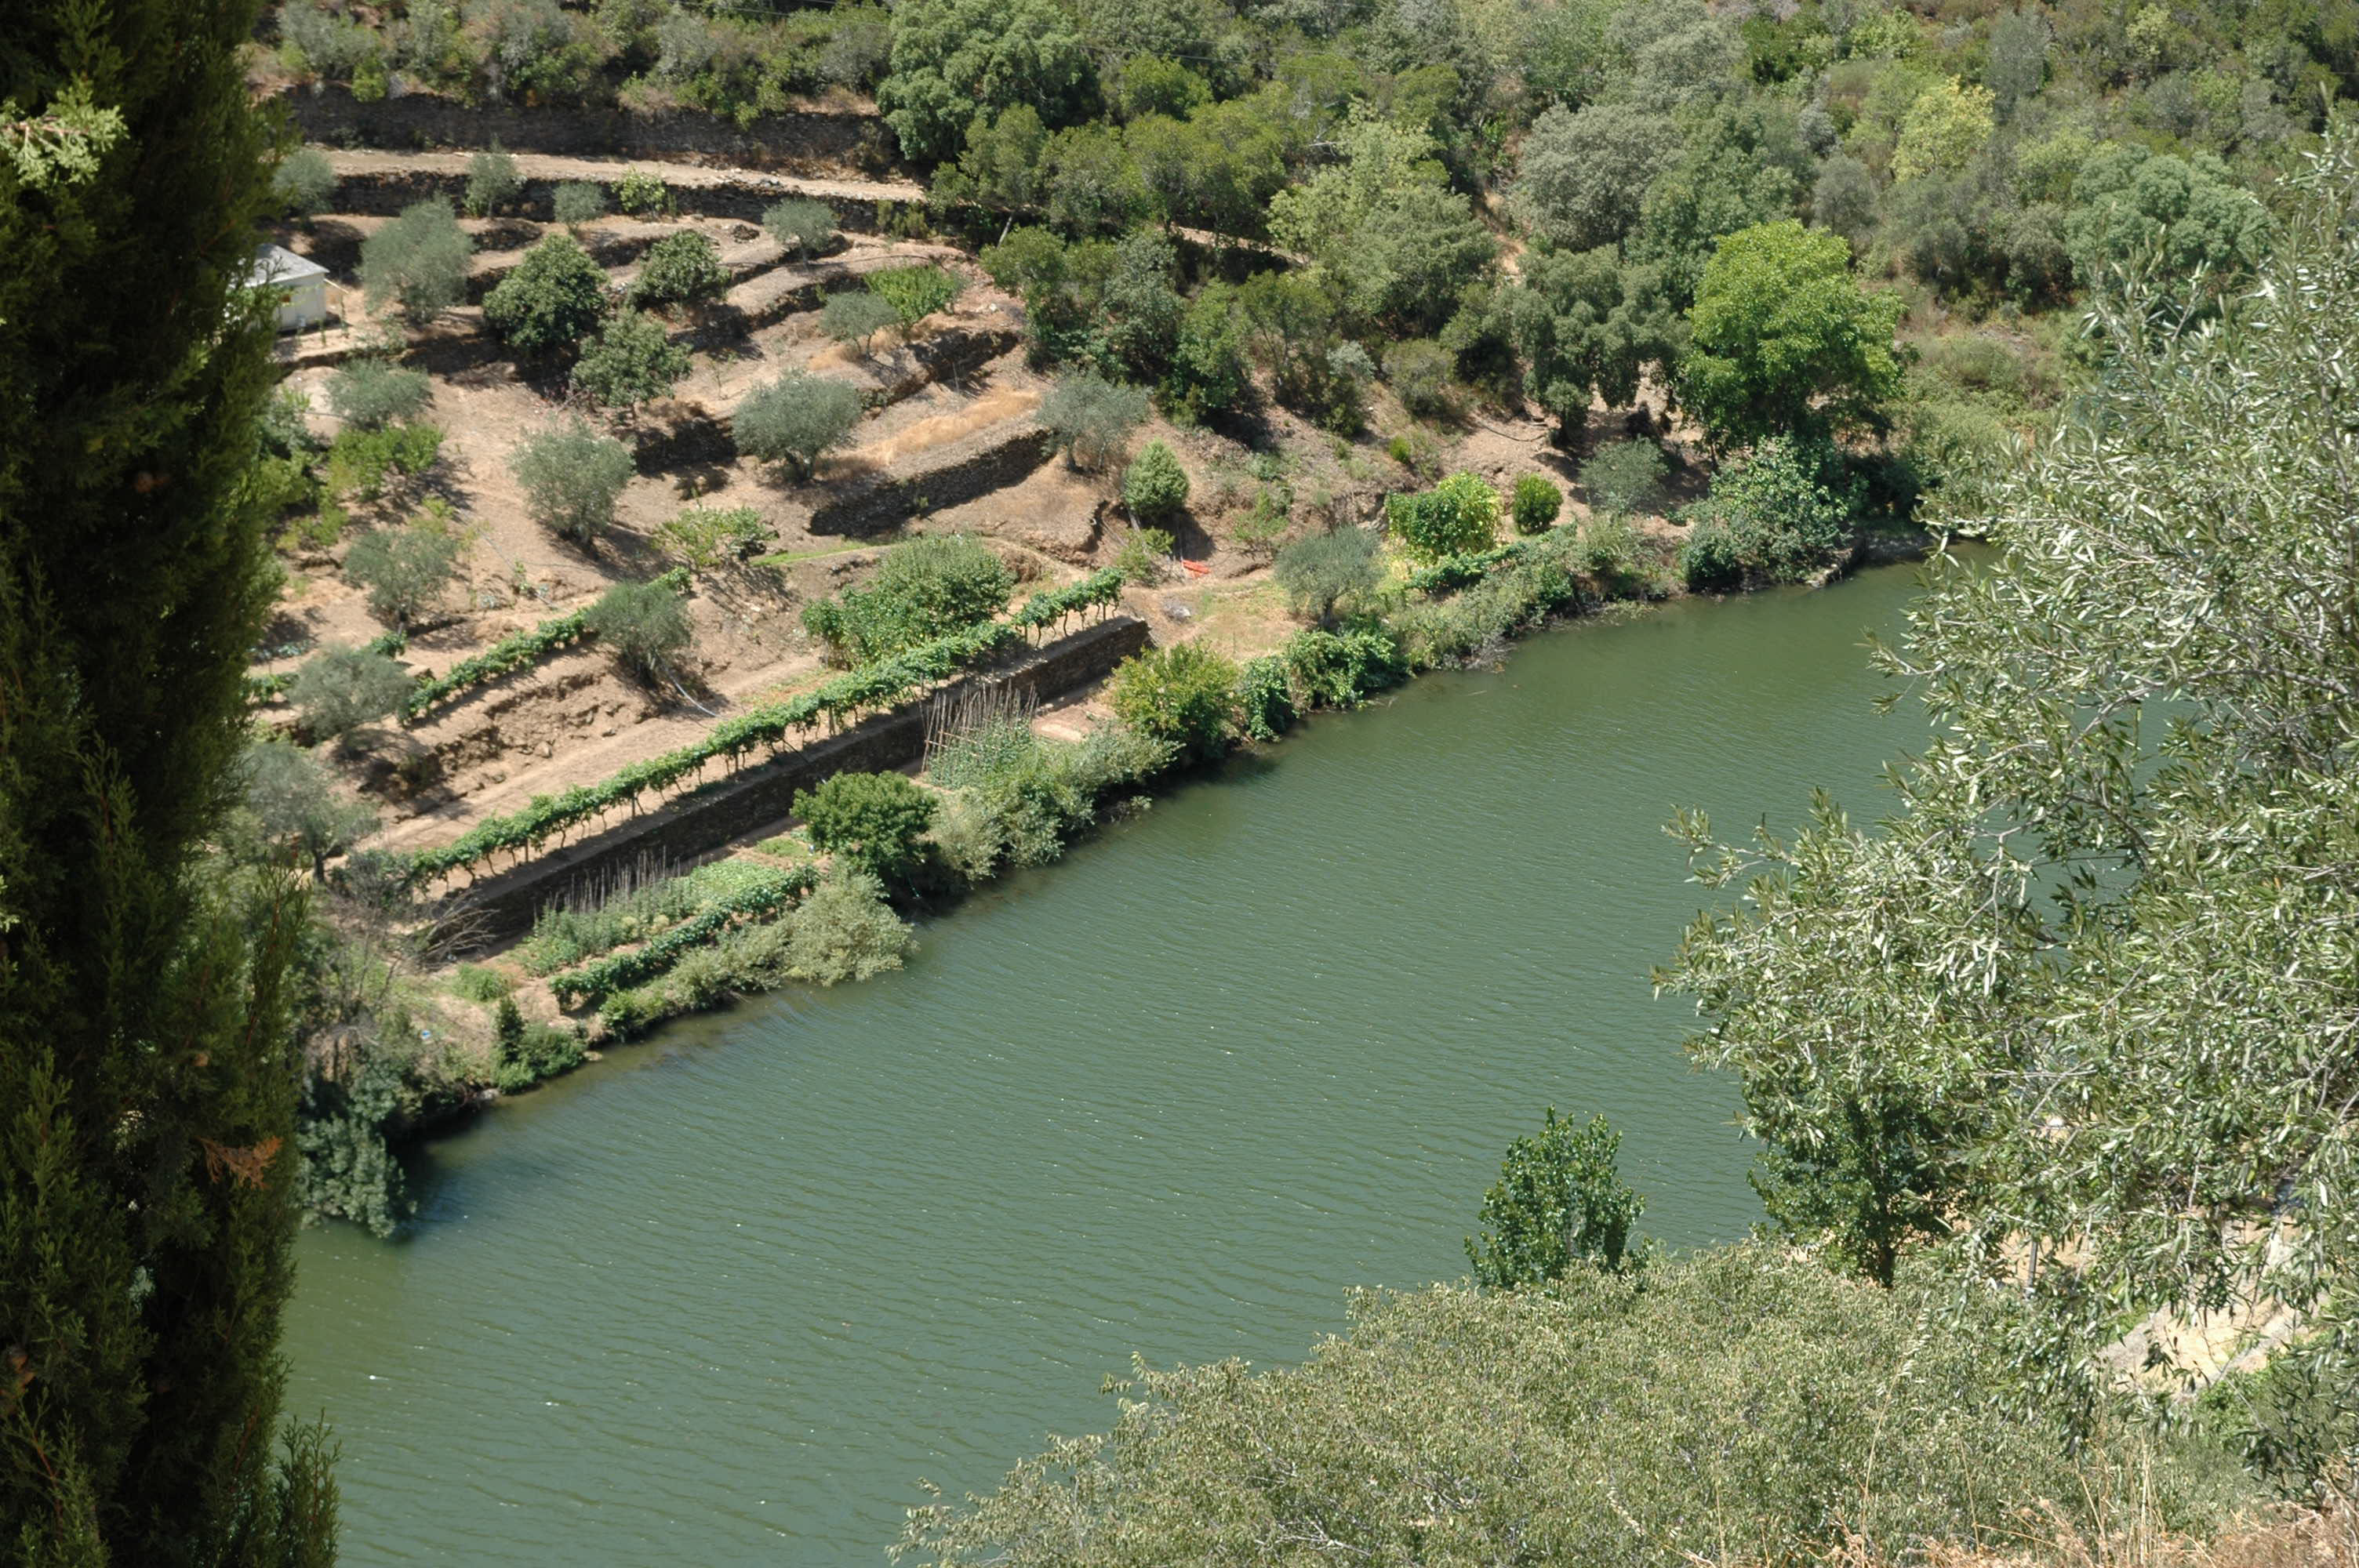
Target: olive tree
644, 625
796, 419
1090, 417
418, 261
341, 690
404, 570
493, 181
572, 477
803, 225
1321, 572
374, 392
293, 801
854, 317
305, 181
578, 201
2078, 1007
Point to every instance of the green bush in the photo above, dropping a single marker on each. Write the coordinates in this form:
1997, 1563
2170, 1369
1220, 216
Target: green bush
796, 419
1626, 478
870, 820
525, 1053
800, 225
578, 201
1143, 555
361, 461
493, 181
304, 181
1559, 1201
1184, 697
854, 317
1420, 370
555, 297
1342, 668
481, 983
914, 292
1784, 515
340, 689
1154, 486
1266, 707
845, 931
1738, 1403
404, 570
1091, 417
418, 261
1324, 572
373, 392
704, 537
638, 193
644, 625
922, 589
572, 477
631, 361
1458, 516
1535, 504
679, 269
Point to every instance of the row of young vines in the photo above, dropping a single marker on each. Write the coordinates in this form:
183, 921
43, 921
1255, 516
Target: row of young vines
848, 697
593, 983
521, 649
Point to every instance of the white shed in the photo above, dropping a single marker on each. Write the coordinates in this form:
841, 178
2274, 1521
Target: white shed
302, 286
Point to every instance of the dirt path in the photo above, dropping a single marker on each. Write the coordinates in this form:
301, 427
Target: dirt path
692, 176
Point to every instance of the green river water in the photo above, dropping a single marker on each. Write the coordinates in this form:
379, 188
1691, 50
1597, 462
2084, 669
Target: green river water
727, 1296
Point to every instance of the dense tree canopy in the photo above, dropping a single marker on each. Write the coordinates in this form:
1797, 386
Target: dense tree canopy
952, 58
2088, 984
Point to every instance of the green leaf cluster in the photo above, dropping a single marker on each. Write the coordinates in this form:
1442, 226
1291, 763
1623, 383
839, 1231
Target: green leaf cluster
922, 589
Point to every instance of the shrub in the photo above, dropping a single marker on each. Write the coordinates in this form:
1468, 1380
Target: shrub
914, 292
644, 625
359, 460
639, 191
571, 476
1091, 417
482, 983
1626, 478
373, 392
1143, 554
854, 317
923, 589
845, 931
1420, 370
795, 420
304, 181
404, 570
294, 804
1536, 502
1266, 698
1154, 486
1735, 1395
340, 689
1341, 668
803, 225
1784, 515
1609, 548
1184, 697
1321, 572
870, 820
704, 537
578, 201
1458, 516
555, 297
492, 182
678, 269
1558, 1201
418, 261
631, 361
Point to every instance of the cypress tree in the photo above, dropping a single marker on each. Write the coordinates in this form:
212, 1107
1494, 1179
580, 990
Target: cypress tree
147, 1071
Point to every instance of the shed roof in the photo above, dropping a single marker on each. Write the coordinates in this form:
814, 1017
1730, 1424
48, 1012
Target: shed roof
278, 265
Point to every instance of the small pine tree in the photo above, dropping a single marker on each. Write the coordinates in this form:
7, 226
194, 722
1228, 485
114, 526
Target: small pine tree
1154, 486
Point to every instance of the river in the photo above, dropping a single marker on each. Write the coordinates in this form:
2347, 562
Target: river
727, 1296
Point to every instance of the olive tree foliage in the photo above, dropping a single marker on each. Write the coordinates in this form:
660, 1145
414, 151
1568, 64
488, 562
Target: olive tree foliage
418, 261
493, 181
1321, 573
2080, 1003
373, 392
404, 570
854, 317
292, 802
578, 201
801, 224
953, 59
644, 625
795, 420
341, 690
1091, 417
1585, 172
572, 477
305, 181
1737, 1394
1559, 1200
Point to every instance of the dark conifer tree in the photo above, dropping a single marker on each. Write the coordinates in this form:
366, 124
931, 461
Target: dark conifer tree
147, 1079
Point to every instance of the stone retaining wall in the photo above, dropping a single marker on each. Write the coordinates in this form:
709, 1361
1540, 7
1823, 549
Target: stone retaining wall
995, 460
423, 121
384, 193
693, 826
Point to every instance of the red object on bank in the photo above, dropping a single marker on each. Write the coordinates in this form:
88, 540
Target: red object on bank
1199, 568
